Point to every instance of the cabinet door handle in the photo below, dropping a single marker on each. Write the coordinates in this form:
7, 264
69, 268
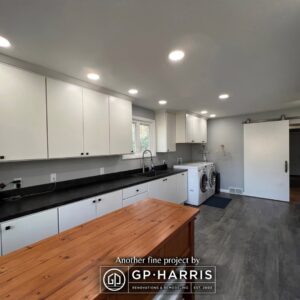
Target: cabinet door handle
87, 153
182, 174
99, 199
8, 227
2, 156
137, 190
81, 153
286, 166
165, 179
94, 201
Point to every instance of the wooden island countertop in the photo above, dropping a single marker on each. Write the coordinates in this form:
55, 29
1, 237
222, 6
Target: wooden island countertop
66, 266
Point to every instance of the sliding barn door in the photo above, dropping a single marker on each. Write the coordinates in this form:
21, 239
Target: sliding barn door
266, 160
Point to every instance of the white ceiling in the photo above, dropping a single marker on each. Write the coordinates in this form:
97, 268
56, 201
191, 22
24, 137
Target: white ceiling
249, 49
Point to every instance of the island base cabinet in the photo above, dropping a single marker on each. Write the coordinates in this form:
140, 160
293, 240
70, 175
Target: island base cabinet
23, 231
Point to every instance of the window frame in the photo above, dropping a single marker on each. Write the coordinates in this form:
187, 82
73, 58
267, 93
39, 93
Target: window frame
151, 123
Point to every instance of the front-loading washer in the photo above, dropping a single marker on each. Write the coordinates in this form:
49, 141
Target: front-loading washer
198, 186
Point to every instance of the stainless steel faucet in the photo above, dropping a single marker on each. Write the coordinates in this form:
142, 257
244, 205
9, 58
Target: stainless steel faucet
151, 158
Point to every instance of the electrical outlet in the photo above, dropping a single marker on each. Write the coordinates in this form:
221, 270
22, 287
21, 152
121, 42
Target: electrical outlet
53, 177
17, 182
101, 171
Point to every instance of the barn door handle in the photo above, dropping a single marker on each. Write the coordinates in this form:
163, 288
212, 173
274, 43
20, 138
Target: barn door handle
286, 166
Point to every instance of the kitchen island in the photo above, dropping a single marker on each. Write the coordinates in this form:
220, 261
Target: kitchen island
66, 266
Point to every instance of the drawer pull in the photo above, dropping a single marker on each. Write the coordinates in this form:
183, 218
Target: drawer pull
2, 156
99, 199
94, 201
8, 227
165, 179
137, 190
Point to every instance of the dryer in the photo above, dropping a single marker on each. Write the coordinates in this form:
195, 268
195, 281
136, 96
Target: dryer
198, 185
212, 178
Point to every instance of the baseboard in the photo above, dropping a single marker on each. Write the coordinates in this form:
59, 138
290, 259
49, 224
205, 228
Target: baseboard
224, 191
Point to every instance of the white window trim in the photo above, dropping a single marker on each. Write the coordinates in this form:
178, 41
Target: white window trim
152, 138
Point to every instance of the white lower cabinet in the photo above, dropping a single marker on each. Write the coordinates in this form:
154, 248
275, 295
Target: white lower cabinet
164, 189
109, 202
23, 231
135, 199
182, 187
77, 213
74, 214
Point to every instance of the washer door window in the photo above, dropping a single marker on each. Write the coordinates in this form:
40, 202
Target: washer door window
203, 183
212, 178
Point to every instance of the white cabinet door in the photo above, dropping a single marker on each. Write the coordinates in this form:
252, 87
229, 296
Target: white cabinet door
182, 187
164, 189
171, 132
65, 119
23, 125
202, 130
96, 123
73, 214
165, 132
109, 202
120, 112
156, 189
20, 232
192, 126
135, 199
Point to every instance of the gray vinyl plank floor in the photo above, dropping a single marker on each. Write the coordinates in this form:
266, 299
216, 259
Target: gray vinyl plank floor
255, 244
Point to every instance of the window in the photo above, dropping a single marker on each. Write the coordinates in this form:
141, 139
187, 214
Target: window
143, 137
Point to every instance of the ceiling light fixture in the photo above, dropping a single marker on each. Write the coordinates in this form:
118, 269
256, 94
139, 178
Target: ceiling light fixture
93, 76
4, 43
133, 91
162, 102
176, 55
204, 112
212, 116
223, 96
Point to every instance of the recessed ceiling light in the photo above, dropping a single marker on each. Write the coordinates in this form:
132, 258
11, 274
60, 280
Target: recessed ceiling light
133, 91
212, 116
204, 112
223, 96
162, 102
176, 55
93, 76
5, 43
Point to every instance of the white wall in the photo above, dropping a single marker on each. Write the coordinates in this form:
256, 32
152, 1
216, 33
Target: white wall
229, 132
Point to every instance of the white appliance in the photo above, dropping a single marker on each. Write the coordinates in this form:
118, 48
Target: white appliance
198, 186
212, 176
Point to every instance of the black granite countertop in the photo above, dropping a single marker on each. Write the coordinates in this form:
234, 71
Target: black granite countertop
68, 193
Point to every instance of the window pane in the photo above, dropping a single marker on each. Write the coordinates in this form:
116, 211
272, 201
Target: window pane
134, 137
144, 137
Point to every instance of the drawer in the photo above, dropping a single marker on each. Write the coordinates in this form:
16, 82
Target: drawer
135, 199
135, 190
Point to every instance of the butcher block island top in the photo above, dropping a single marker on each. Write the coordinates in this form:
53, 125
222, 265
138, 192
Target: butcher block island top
66, 266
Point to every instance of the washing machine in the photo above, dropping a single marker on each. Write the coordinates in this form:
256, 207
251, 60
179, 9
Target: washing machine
198, 185
212, 177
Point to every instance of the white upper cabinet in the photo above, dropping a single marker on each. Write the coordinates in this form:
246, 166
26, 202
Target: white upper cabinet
202, 130
96, 123
23, 131
65, 119
165, 131
120, 112
190, 129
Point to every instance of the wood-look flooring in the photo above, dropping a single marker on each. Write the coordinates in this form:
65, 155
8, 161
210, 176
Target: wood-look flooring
255, 245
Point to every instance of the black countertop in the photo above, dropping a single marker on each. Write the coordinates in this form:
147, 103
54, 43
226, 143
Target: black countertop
10, 209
